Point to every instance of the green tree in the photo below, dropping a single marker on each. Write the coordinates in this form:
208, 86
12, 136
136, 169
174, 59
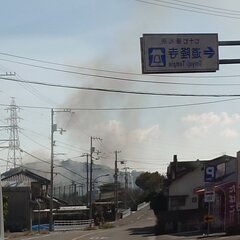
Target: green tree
150, 182
153, 186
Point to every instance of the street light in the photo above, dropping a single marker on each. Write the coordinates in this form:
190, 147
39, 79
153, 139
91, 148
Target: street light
105, 175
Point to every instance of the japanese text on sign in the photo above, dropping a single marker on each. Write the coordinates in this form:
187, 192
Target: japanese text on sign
179, 53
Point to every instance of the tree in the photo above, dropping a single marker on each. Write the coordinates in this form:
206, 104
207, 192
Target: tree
158, 203
153, 186
150, 182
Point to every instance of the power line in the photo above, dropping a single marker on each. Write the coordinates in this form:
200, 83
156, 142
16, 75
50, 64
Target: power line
69, 178
70, 170
155, 107
209, 7
35, 92
68, 146
24, 167
200, 7
34, 141
41, 160
122, 91
65, 65
187, 10
126, 79
131, 108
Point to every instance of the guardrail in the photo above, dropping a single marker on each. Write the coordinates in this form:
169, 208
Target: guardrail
67, 225
142, 205
126, 213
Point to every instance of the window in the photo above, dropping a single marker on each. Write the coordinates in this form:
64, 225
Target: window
178, 201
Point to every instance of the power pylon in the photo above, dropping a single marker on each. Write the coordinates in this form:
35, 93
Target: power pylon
14, 154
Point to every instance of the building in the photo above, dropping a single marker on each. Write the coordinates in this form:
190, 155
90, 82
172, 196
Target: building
24, 191
201, 192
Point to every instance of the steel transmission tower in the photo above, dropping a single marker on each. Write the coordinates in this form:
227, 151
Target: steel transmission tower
14, 154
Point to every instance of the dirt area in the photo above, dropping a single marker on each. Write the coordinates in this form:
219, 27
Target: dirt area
15, 235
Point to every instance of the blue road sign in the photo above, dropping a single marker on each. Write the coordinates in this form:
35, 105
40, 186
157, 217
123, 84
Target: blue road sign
210, 174
172, 53
209, 52
157, 57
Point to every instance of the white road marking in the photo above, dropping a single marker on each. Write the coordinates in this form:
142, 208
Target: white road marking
101, 238
152, 238
37, 236
88, 234
85, 235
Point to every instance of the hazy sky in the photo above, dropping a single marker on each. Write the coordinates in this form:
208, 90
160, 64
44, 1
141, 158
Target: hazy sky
103, 38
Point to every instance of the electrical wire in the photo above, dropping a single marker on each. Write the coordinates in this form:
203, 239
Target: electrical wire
65, 65
208, 6
130, 108
127, 73
24, 167
35, 92
70, 170
187, 10
29, 138
69, 178
121, 91
136, 80
200, 7
65, 145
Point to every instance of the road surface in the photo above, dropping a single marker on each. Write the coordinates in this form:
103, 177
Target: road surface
139, 225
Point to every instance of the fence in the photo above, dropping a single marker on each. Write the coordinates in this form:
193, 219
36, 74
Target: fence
66, 225
142, 205
126, 213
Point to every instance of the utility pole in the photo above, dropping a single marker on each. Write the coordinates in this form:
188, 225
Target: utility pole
116, 184
87, 170
126, 188
1, 213
90, 194
87, 182
75, 193
91, 177
53, 129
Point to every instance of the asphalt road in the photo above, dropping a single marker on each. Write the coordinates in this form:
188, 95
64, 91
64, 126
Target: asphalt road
139, 225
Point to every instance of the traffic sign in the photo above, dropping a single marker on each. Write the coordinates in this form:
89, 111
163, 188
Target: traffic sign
209, 173
209, 196
208, 218
176, 53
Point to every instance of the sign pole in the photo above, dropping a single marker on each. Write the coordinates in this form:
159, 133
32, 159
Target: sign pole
237, 186
208, 222
1, 213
